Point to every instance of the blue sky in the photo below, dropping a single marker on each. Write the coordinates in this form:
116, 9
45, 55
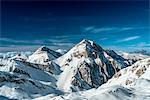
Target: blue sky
120, 25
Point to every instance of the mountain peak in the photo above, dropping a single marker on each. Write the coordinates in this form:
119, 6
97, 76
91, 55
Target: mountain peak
43, 54
88, 45
42, 48
86, 41
87, 65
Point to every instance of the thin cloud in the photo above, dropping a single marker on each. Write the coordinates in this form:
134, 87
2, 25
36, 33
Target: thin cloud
93, 29
28, 43
21, 41
129, 39
143, 44
103, 39
89, 28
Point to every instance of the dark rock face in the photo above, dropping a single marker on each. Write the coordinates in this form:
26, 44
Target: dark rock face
91, 75
118, 58
50, 66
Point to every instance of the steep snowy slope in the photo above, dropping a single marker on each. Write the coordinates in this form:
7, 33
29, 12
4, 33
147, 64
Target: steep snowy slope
86, 66
131, 83
42, 55
20, 57
21, 79
17, 87
133, 75
117, 57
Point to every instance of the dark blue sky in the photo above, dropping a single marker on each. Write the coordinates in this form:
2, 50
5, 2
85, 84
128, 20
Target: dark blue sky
121, 25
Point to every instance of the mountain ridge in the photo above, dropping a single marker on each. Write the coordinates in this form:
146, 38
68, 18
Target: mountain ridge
85, 68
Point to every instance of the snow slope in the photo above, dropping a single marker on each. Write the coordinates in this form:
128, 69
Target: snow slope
132, 75
17, 87
21, 79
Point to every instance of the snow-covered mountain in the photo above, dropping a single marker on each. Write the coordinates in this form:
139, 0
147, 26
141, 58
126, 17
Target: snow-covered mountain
87, 65
133, 75
133, 57
24, 78
6, 55
85, 72
42, 55
20, 80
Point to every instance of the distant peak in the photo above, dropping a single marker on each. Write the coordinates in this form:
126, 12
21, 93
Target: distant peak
43, 48
46, 49
43, 54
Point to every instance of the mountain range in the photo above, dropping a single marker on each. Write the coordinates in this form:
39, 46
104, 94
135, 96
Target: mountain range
85, 72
